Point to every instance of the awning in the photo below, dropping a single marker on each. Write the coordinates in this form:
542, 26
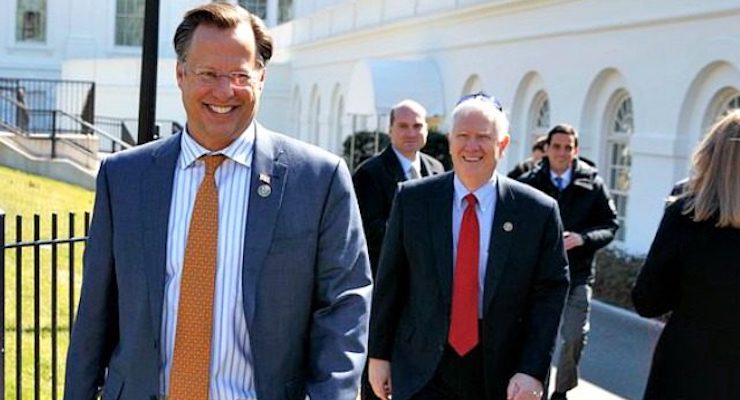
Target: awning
377, 85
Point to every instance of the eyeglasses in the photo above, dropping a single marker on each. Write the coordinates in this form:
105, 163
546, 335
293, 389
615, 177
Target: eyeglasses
241, 79
482, 97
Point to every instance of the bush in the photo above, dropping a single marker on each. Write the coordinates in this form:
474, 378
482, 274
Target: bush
364, 146
616, 272
438, 147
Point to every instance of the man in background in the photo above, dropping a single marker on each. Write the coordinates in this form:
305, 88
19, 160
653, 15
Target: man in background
538, 151
590, 221
377, 179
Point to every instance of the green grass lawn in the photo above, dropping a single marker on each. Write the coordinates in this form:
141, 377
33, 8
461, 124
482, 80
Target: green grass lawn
26, 195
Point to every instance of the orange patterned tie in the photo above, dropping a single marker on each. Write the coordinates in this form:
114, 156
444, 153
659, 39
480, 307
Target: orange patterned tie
191, 362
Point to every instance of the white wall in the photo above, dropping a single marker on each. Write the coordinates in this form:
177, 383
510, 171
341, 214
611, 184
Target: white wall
672, 57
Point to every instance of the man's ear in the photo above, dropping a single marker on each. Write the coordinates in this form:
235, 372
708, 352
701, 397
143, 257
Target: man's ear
504, 142
180, 73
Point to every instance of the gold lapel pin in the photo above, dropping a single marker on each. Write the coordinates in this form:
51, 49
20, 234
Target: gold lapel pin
508, 226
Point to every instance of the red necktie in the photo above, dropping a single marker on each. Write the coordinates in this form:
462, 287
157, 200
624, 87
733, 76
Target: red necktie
464, 319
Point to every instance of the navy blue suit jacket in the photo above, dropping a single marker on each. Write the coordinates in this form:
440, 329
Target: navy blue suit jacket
524, 290
306, 276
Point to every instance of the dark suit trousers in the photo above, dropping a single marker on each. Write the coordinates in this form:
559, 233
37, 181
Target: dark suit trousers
456, 378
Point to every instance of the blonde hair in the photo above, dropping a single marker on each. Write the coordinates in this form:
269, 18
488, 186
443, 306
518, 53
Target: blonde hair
714, 189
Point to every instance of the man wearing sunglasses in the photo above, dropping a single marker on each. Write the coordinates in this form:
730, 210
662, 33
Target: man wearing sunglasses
472, 277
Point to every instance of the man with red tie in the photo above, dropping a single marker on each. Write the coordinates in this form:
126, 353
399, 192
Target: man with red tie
472, 276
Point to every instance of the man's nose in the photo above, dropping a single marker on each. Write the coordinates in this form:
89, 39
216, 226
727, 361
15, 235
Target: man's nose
223, 87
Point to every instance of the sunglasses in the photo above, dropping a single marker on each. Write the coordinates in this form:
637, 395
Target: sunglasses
482, 97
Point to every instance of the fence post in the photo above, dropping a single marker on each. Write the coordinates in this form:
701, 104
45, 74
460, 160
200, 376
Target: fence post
2, 304
54, 134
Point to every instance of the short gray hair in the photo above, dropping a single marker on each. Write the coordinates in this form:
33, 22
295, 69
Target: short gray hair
498, 118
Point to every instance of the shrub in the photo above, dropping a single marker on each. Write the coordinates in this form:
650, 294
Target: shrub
438, 147
615, 275
364, 146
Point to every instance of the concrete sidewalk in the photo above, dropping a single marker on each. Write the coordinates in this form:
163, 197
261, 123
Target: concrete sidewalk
616, 361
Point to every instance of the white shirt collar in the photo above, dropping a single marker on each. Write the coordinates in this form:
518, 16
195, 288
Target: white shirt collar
239, 151
406, 163
485, 194
566, 176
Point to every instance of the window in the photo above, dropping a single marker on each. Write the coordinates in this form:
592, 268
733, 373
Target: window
731, 105
539, 120
31, 21
285, 11
256, 7
542, 121
129, 22
619, 159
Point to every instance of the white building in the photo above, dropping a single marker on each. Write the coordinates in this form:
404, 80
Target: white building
640, 79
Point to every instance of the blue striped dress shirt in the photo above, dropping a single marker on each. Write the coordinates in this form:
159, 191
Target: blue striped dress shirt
232, 374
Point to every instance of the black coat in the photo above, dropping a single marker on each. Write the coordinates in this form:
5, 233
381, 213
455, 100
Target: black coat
524, 290
585, 208
375, 182
693, 270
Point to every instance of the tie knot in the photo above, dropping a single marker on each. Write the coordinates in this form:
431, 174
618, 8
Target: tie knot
413, 173
559, 182
471, 199
212, 162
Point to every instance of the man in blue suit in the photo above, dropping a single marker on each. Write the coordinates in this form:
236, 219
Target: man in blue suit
291, 280
472, 277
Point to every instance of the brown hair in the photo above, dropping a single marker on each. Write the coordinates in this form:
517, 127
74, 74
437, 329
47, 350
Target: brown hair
564, 129
714, 189
224, 16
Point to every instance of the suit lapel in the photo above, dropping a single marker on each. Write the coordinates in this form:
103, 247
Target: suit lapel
156, 191
392, 165
439, 215
262, 213
502, 234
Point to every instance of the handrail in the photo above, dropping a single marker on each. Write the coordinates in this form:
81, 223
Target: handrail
96, 129
14, 101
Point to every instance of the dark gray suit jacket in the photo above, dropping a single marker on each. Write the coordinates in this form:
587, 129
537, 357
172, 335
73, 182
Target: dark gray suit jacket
306, 276
376, 181
524, 291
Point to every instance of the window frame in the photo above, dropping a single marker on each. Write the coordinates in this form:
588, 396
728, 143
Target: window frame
618, 157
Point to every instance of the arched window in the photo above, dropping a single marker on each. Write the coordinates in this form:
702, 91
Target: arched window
539, 118
619, 158
730, 105
472, 85
542, 120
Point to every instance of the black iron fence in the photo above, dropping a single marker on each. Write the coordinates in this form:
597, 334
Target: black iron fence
43, 96
40, 292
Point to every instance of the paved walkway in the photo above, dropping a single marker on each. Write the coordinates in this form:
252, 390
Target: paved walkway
617, 358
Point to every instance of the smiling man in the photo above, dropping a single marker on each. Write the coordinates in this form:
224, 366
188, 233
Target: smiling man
227, 261
590, 221
472, 276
